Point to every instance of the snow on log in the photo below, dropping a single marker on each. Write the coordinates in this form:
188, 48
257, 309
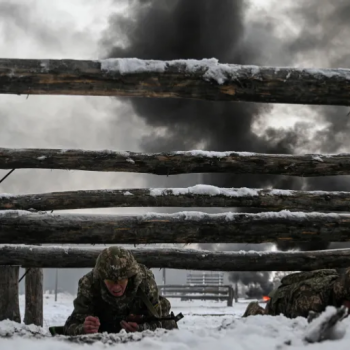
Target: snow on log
195, 196
182, 227
66, 257
172, 163
205, 79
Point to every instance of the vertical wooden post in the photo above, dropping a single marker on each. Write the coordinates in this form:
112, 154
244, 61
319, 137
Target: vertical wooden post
164, 281
164, 276
9, 303
230, 296
236, 292
56, 284
34, 297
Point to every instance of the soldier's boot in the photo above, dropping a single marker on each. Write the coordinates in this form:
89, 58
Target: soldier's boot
253, 309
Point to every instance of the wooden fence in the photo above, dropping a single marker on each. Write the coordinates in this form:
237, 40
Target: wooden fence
292, 215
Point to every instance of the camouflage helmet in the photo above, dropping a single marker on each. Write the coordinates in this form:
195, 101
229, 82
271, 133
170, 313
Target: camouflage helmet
115, 263
341, 287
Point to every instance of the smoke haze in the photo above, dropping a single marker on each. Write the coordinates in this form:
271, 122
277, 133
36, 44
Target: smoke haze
290, 33
169, 29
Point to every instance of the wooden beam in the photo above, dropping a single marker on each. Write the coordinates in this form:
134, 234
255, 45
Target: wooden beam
190, 79
173, 163
183, 227
189, 259
34, 297
196, 196
9, 302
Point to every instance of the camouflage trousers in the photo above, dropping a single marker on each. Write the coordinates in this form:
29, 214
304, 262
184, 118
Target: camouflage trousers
253, 309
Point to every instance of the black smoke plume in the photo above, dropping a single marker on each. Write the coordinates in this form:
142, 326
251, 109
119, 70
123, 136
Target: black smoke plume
196, 29
257, 282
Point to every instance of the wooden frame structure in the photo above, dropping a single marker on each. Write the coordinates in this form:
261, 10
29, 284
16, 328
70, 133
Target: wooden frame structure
305, 216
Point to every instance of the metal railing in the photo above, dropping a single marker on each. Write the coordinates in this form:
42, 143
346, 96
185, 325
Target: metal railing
198, 292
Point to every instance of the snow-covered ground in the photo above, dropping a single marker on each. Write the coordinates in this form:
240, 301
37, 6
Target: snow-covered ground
208, 325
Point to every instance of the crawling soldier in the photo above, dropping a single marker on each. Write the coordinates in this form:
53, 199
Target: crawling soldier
302, 292
117, 285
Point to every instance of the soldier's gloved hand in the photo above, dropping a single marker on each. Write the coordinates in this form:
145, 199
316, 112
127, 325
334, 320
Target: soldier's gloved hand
91, 324
129, 326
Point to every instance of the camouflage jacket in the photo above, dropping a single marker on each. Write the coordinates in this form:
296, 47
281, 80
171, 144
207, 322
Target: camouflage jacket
93, 299
302, 292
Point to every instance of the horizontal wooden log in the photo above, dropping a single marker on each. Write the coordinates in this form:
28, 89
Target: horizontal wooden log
189, 79
188, 259
183, 227
196, 196
173, 163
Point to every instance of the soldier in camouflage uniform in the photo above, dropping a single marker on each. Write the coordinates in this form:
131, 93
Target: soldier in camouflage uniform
302, 292
117, 286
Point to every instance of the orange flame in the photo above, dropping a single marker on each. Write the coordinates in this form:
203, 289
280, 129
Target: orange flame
266, 298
